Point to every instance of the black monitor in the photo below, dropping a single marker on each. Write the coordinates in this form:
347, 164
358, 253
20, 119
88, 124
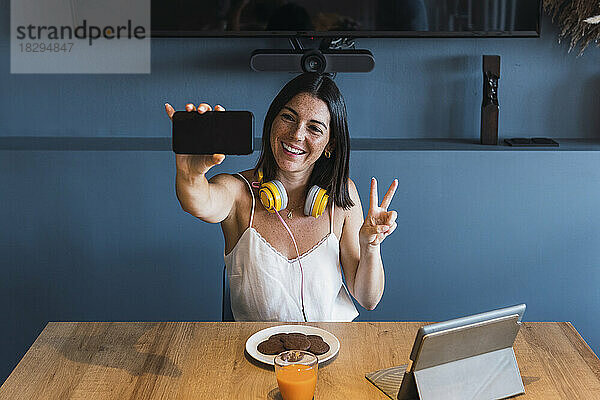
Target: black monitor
346, 18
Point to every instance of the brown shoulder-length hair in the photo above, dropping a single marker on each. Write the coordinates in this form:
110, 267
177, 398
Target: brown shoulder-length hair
329, 173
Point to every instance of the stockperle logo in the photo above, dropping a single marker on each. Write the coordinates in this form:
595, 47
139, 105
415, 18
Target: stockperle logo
80, 36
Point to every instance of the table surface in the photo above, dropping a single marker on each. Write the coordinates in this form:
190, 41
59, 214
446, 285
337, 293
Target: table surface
206, 360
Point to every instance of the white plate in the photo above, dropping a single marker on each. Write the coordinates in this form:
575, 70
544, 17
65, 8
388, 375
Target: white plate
262, 335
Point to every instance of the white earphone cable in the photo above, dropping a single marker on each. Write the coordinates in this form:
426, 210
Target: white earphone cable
299, 263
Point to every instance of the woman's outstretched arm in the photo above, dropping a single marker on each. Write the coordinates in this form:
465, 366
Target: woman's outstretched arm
211, 201
360, 245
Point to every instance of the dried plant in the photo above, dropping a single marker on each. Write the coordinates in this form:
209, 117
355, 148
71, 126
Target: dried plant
578, 19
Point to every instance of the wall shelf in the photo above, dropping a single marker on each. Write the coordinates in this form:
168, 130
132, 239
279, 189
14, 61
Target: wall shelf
113, 143
466, 145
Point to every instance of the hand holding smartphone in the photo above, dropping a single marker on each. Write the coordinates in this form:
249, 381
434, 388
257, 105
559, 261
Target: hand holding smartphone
213, 132
191, 165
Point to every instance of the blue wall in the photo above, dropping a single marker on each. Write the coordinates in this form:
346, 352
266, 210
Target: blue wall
99, 235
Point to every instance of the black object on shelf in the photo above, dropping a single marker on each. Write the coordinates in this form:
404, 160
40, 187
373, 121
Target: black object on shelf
531, 142
332, 56
489, 105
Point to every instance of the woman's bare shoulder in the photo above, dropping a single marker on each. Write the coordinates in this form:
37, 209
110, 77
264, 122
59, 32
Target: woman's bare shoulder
233, 182
249, 175
353, 192
354, 212
352, 187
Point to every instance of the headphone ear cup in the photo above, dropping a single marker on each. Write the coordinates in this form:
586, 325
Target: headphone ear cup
282, 195
273, 196
316, 201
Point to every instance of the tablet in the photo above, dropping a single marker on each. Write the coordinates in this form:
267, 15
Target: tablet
468, 357
518, 310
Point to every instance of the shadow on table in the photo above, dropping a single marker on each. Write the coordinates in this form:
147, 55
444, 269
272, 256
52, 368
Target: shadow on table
257, 363
134, 352
274, 394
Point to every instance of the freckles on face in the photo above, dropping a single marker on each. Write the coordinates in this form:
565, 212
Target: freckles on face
300, 132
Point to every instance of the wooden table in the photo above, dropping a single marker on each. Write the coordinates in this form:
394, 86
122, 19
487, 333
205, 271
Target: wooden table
193, 360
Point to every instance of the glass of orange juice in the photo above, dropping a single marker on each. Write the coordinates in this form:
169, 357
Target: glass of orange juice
296, 373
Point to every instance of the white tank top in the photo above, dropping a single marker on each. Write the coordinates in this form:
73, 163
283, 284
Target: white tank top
265, 285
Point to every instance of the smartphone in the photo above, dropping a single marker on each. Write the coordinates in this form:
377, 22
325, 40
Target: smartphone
213, 132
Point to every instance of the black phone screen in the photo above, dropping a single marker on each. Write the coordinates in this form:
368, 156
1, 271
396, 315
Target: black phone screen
213, 132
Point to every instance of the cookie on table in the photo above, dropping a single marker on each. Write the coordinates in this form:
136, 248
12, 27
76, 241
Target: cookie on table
295, 335
296, 342
317, 345
270, 347
278, 336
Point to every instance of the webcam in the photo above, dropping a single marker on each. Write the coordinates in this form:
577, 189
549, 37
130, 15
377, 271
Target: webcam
312, 60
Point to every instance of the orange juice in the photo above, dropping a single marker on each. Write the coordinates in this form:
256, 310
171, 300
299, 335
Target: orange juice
297, 381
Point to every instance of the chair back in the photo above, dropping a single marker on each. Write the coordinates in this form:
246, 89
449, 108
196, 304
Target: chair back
226, 313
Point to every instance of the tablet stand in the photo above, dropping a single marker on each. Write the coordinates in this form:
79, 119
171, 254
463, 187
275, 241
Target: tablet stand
475, 361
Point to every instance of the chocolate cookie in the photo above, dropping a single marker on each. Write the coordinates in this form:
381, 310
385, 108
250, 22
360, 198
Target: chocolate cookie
296, 335
270, 347
278, 336
296, 342
317, 345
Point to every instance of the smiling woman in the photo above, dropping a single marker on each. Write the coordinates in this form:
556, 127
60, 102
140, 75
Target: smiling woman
303, 165
309, 111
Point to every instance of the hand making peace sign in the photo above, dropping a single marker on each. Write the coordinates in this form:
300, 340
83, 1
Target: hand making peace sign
379, 223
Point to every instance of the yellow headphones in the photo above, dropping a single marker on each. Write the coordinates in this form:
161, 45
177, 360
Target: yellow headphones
274, 197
